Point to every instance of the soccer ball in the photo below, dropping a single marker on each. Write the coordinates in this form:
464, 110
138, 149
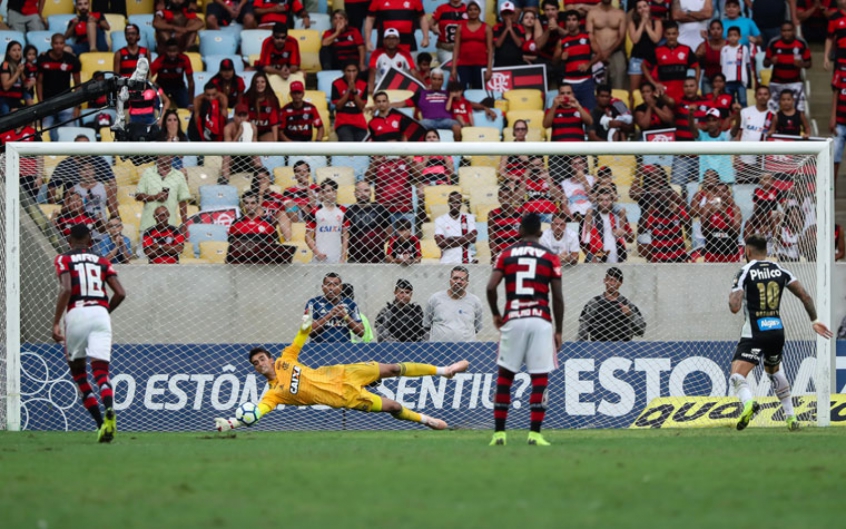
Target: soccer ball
247, 413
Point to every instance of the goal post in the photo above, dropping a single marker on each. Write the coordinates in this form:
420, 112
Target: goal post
182, 335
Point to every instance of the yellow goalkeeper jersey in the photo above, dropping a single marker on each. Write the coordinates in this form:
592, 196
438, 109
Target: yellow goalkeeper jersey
300, 385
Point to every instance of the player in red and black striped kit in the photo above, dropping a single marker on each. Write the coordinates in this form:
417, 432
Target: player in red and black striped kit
531, 272
83, 277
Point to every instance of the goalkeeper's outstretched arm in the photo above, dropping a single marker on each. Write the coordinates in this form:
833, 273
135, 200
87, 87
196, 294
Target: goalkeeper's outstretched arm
293, 351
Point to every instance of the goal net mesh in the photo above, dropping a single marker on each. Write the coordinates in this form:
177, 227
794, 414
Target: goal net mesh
673, 228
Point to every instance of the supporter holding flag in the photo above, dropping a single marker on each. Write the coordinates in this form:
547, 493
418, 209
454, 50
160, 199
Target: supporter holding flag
387, 57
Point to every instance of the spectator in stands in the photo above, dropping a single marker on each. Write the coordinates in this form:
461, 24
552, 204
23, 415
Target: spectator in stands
690, 106
272, 203
301, 200
433, 105
529, 22
813, 17
401, 320
536, 191
663, 221
342, 45
172, 129
721, 163
30, 168
645, 32
578, 59
252, 238
67, 173
424, 68
162, 185
73, 213
434, 170
706, 193
178, 22
221, 13
517, 164
605, 230
835, 42
719, 99
335, 318
30, 75
280, 54
240, 129
393, 178
327, 235
26, 15
126, 58
229, 83
403, 247
462, 108
115, 246
671, 61
735, 61
273, 12
789, 121
349, 95
749, 32
561, 240
87, 27
691, 19
788, 55
767, 196
385, 15
708, 54
174, 74
447, 19
12, 75
654, 113
390, 55
508, 37
504, 221
721, 221
454, 315
837, 119
55, 70
764, 224
577, 188
606, 26
568, 119
369, 225
473, 51
92, 192
298, 120
610, 316
162, 242
264, 107
547, 40
612, 120
752, 124
210, 113
455, 233
789, 234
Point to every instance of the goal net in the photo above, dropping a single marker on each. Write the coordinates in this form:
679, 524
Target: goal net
659, 224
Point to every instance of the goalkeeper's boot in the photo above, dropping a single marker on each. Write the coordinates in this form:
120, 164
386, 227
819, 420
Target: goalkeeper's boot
536, 439
750, 409
109, 427
499, 439
792, 423
458, 367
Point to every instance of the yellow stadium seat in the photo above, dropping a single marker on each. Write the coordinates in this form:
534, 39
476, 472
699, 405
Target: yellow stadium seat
196, 61
125, 175
139, 7
479, 134
637, 98
214, 251
623, 167
276, 189
106, 135
524, 99
131, 213
346, 195
298, 230
131, 231
345, 176
50, 209
96, 60
303, 254
438, 195
192, 210
482, 211
483, 252
766, 75
201, 176
57, 7
622, 95
427, 230
316, 98
126, 194
502, 105
439, 210
116, 23
310, 43
484, 195
283, 176
327, 126
470, 177
534, 118
750, 95
242, 181
282, 87
429, 249
394, 96
623, 194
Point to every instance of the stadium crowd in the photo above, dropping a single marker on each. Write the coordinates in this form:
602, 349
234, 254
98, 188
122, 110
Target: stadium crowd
384, 70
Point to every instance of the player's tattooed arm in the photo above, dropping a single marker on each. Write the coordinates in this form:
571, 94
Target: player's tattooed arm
799, 291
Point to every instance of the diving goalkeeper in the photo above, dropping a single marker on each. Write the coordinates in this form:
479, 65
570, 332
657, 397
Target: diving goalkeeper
338, 386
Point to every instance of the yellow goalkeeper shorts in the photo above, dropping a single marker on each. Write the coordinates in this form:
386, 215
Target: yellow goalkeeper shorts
356, 378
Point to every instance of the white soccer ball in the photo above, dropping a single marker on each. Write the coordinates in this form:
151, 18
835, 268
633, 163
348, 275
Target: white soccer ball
247, 413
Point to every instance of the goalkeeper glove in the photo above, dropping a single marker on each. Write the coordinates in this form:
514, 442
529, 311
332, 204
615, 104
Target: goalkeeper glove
305, 326
225, 425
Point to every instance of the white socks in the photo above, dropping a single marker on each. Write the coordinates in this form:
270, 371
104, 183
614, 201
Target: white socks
741, 388
781, 388
440, 371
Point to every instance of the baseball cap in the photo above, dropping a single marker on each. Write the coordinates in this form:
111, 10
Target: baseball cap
391, 32
404, 284
615, 273
280, 28
713, 112
506, 6
241, 108
297, 86
227, 64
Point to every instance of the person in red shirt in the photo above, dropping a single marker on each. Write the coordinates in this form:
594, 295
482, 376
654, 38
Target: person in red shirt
126, 58
719, 99
210, 111
547, 39
402, 15
252, 238
460, 108
87, 27
349, 95
300, 200
393, 178
342, 45
264, 107
504, 221
280, 54
578, 59
162, 242
721, 220
403, 248
787, 55
174, 74
229, 83
272, 12
669, 65
299, 119
73, 213
708, 54
473, 50
224, 12
448, 18
29, 166
176, 21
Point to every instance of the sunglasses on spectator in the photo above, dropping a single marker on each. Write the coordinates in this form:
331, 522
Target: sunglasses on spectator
520, 128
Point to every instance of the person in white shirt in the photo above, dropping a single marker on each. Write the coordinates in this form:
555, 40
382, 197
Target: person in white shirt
752, 124
389, 56
577, 188
327, 235
455, 233
454, 315
693, 17
736, 66
561, 240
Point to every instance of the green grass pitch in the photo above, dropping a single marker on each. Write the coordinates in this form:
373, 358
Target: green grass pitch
680, 479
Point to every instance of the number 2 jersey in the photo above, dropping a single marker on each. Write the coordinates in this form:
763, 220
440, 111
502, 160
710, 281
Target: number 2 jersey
89, 273
763, 283
529, 269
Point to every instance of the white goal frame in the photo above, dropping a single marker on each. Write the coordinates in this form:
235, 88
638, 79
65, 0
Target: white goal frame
823, 150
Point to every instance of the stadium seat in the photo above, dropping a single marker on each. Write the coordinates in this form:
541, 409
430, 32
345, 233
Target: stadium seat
346, 195
131, 231
201, 233
766, 75
57, 7
281, 87
317, 98
632, 213
481, 211
549, 99
126, 194
437, 196
622, 95
58, 23
477, 95
534, 118
241, 182
196, 61
70, 133
743, 197
319, 22
125, 175
427, 231
314, 162
8, 36
486, 195
358, 163
524, 99
284, 177
622, 167
117, 23
432, 49
200, 80
40, 39
310, 43
637, 98
325, 80
481, 120
96, 60
145, 22
214, 251
131, 213
201, 176
429, 6
50, 209
212, 63
252, 39
272, 162
470, 177
106, 134
483, 252
340, 174
429, 249
139, 7
479, 134
298, 230
303, 254
218, 196
395, 96
216, 42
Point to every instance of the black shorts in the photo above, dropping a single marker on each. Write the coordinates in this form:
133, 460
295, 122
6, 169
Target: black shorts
223, 16
753, 349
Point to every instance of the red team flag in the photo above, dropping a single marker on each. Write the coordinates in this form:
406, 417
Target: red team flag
515, 77
396, 79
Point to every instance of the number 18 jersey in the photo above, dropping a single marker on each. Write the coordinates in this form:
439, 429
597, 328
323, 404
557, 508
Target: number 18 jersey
763, 283
89, 273
529, 269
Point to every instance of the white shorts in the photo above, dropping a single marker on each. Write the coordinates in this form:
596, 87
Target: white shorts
529, 341
88, 333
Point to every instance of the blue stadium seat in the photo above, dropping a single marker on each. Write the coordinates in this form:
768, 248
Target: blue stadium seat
8, 36
550, 97
433, 39
212, 63
408, 111
358, 163
314, 162
213, 196
319, 21
272, 162
58, 23
251, 40
235, 30
248, 77
39, 39
481, 231
325, 79
481, 120
446, 136
477, 95
145, 22
198, 233
216, 42
632, 213
322, 6
429, 6
200, 80
69, 133
743, 194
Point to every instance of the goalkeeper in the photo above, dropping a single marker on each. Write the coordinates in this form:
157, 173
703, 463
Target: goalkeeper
338, 386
